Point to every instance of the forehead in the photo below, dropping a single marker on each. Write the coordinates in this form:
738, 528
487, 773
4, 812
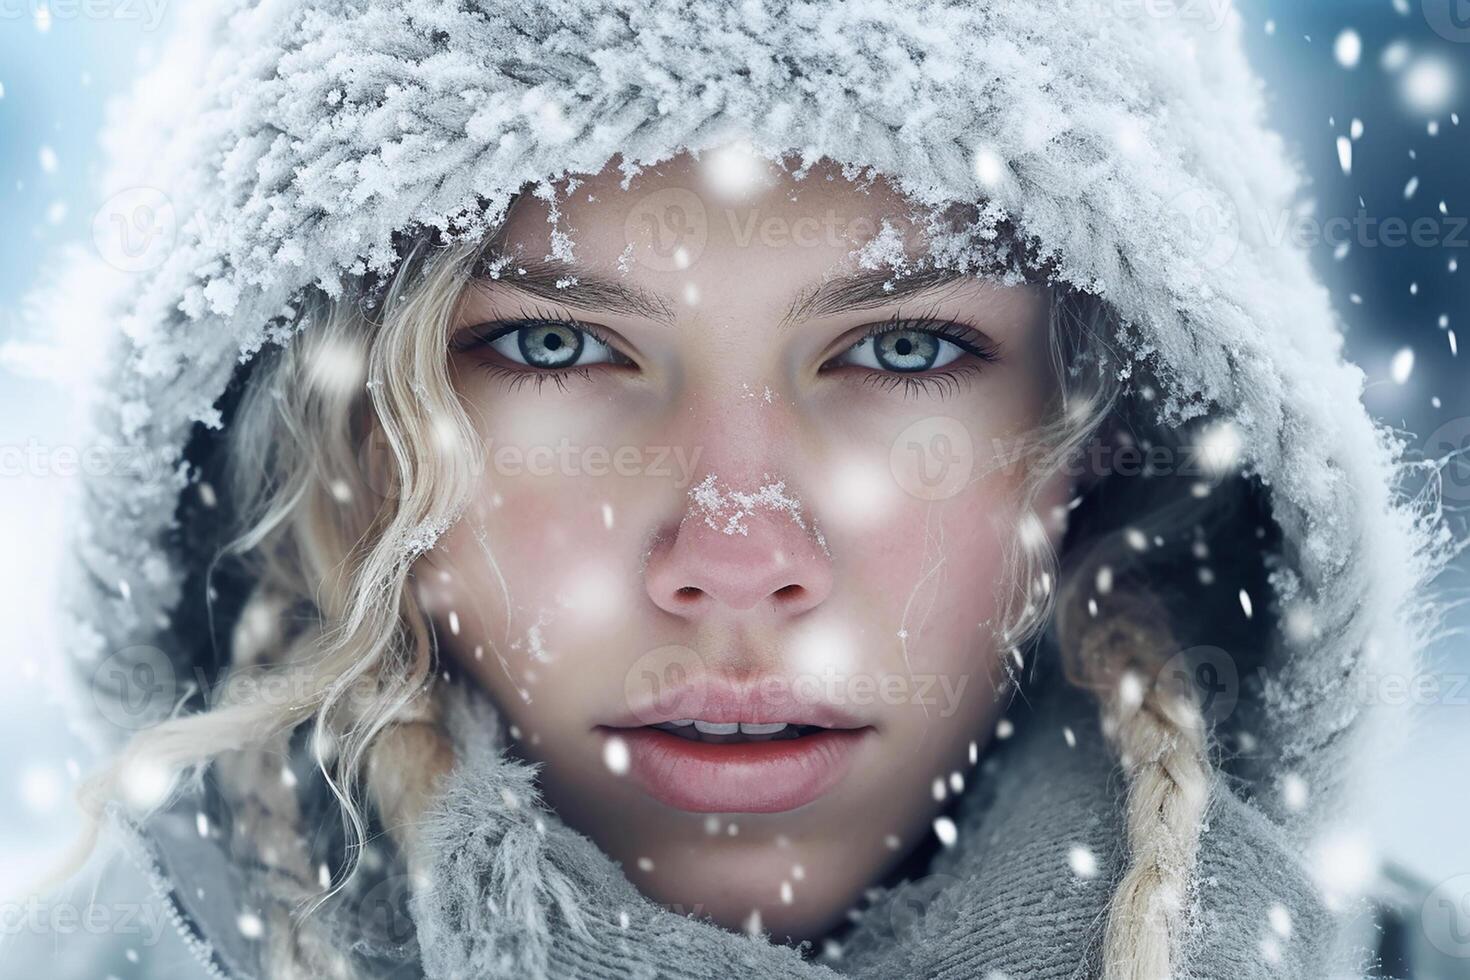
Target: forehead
688, 219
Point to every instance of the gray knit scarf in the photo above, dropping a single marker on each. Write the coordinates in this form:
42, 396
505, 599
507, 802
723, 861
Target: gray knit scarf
515, 893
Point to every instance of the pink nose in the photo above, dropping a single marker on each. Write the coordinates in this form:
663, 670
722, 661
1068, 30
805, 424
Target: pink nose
740, 554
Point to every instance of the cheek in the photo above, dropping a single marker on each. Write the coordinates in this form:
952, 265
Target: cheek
544, 563
929, 577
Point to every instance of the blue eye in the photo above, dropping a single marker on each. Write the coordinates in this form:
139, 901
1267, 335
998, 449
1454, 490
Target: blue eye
550, 346
903, 351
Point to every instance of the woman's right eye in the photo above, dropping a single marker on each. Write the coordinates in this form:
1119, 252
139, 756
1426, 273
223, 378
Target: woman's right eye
544, 345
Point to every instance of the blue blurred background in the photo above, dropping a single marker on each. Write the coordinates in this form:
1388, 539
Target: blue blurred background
1370, 95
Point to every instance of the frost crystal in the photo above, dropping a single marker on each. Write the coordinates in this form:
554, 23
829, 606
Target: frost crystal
729, 511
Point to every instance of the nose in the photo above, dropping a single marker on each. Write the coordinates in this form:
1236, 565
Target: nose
739, 551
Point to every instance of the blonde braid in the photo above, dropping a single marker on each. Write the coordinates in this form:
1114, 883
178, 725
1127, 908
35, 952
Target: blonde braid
1156, 727
405, 765
266, 822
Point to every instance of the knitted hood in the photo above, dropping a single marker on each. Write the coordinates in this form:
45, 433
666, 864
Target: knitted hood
299, 142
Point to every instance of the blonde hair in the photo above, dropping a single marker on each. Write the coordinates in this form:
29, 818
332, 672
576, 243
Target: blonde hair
333, 530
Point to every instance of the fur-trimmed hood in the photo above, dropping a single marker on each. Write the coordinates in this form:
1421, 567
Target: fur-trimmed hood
299, 142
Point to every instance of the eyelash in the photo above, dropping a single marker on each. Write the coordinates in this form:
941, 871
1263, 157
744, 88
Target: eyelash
484, 334
941, 383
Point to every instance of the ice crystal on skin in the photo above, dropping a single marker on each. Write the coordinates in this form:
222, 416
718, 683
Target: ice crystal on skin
729, 510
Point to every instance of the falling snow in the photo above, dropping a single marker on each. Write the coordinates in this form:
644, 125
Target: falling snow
1082, 862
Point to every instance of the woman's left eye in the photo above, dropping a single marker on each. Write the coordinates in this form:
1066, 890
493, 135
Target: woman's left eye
550, 346
903, 351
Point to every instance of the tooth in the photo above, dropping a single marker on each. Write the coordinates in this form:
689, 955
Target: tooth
771, 728
681, 723
717, 727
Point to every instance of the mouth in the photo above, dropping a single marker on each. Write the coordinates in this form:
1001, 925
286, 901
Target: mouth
704, 766
732, 732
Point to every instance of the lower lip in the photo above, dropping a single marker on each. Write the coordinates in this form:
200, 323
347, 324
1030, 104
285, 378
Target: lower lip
737, 777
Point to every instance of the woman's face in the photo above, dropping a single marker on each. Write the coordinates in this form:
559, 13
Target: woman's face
737, 475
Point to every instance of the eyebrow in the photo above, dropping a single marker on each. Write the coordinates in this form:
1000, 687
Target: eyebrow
866, 290
576, 286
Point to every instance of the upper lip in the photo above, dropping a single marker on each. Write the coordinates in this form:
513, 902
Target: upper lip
765, 700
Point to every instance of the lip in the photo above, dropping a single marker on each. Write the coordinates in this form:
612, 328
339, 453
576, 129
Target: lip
737, 777
769, 699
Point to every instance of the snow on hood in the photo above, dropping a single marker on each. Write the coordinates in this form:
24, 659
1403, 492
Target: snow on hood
295, 139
